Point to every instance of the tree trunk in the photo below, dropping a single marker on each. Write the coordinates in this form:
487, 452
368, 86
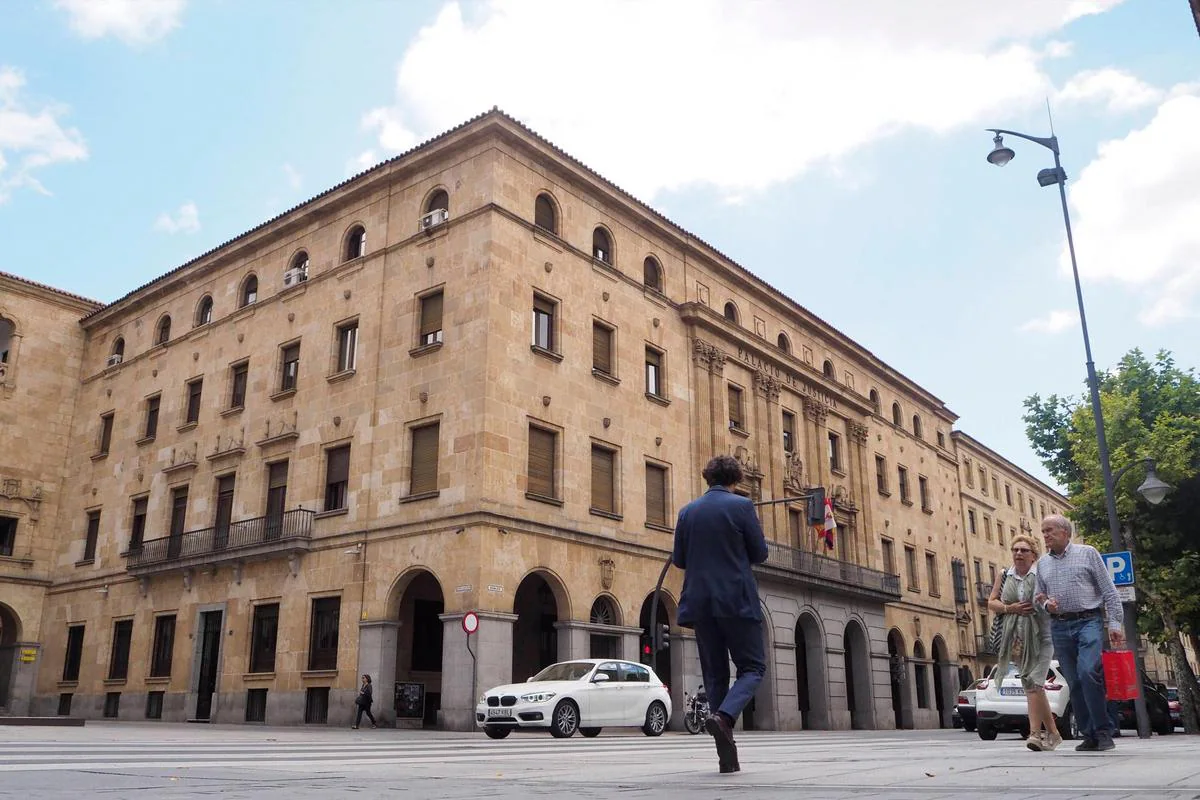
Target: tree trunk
1189, 690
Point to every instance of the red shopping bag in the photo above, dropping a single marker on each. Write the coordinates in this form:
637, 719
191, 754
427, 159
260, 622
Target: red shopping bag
1120, 675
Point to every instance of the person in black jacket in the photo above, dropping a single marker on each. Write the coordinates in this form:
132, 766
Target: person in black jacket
717, 539
363, 701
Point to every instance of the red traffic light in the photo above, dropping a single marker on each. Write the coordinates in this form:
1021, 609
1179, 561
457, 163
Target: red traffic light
646, 649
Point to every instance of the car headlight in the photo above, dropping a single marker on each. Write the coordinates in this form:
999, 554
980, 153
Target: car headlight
482, 699
537, 697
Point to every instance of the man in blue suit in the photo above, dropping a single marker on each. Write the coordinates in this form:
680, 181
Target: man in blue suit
717, 538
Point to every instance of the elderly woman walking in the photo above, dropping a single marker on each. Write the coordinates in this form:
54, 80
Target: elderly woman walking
1026, 639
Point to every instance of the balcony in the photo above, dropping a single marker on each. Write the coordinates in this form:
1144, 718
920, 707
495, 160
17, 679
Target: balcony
982, 590
244, 540
843, 577
983, 648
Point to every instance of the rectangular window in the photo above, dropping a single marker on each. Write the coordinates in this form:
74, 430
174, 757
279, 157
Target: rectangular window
654, 372
290, 374
223, 518
316, 705
93, 535
1031, 511
931, 574
337, 477
1008, 494
602, 349
835, 453
881, 475
987, 528
277, 481
941, 439
164, 646
194, 391
154, 704
1042, 510
1000, 533
735, 409
796, 528
263, 635
256, 705
604, 492
958, 571
179, 500
152, 406
971, 522
106, 430
656, 495
542, 462
982, 481
967, 469
992, 574
64, 704
74, 654
431, 319
425, 448
112, 705
995, 487
323, 637
347, 337
902, 484
923, 490
543, 323
8, 536
910, 563
789, 432
889, 556
978, 571
118, 658
239, 376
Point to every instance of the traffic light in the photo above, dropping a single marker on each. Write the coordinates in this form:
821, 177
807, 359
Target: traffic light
664, 637
816, 505
645, 648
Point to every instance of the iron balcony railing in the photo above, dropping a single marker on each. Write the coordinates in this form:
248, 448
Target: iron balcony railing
201, 545
983, 647
983, 590
832, 569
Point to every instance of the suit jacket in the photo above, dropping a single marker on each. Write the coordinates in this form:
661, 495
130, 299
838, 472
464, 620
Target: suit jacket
717, 538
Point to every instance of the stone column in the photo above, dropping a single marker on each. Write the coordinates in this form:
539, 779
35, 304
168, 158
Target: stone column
766, 393
377, 642
685, 673
713, 360
26, 656
861, 550
464, 678
702, 400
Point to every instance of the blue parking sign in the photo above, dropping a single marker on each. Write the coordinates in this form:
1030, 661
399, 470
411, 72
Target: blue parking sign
1120, 567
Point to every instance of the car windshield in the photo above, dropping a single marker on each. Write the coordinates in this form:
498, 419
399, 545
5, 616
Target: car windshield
566, 671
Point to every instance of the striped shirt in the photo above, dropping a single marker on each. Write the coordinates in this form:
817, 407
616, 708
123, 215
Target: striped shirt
1078, 580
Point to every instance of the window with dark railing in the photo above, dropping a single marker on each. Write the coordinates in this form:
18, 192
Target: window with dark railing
347, 346
291, 367
316, 705
256, 705
225, 539
154, 704
152, 406
337, 477
195, 390
112, 705
239, 375
323, 636
92, 537
8, 535
74, 654
263, 636
162, 652
959, 570
106, 430
118, 662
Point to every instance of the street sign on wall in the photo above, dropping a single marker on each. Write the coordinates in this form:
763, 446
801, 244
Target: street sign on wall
1120, 567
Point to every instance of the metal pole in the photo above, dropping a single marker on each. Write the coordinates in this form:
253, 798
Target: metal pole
1110, 501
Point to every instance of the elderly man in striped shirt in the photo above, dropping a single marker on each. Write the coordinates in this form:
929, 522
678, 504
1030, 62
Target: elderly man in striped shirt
1077, 591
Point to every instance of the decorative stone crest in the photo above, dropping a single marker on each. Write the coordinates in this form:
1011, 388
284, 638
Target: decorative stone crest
767, 385
12, 489
793, 479
843, 497
608, 570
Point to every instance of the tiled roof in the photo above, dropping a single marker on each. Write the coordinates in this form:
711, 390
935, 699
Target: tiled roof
28, 282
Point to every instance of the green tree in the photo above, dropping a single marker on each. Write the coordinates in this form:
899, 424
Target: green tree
1151, 409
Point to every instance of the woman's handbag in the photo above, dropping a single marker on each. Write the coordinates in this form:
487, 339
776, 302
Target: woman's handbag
996, 637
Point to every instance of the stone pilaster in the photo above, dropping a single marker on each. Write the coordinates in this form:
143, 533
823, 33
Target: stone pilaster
464, 677
377, 657
766, 402
862, 551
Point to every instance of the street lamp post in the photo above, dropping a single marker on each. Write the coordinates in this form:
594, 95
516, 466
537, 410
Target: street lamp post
1000, 156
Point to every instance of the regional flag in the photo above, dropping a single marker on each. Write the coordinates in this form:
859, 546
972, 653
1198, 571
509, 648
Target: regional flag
830, 524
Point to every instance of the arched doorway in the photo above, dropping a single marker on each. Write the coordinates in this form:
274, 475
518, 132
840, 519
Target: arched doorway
535, 639
941, 685
810, 673
857, 654
419, 641
898, 670
600, 644
662, 662
10, 634
920, 674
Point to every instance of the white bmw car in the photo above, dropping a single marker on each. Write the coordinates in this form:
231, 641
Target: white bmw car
584, 695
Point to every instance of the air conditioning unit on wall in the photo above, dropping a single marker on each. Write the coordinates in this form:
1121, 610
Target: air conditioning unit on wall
434, 218
294, 276
115, 359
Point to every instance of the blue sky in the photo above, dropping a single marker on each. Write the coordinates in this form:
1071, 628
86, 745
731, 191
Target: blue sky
836, 150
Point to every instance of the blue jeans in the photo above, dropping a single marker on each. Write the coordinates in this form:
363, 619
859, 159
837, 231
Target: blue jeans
1078, 644
724, 639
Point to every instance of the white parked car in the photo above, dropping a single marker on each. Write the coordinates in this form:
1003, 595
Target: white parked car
1000, 705
583, 695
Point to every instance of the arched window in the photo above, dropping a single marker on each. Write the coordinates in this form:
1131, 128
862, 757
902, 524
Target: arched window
118, 348
7, 329
784, 344
162, 334
544, 214
652, 274
298, 268
604, 612
602, 246
875, 400
249, 293
731, 312
356, 243
917, 426
204, 311
827, 369
439, 200
896, 414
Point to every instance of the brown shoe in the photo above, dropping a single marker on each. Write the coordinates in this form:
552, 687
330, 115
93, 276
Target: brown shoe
722, 732
1050, 740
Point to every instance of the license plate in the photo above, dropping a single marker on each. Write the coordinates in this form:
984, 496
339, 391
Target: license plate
1009, 691
500, 712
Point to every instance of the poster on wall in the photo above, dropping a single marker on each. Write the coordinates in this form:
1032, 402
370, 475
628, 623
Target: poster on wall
410, 700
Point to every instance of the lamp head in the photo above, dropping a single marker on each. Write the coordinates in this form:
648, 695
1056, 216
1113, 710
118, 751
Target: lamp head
1153, 489
1000, 154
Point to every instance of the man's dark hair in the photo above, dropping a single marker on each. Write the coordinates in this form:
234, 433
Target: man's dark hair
722, 471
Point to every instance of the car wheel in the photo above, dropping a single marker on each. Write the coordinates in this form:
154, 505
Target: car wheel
1068, 728
565, 720
496, 732
987, 733
692, 723
656, 719
1164, 727
590, 733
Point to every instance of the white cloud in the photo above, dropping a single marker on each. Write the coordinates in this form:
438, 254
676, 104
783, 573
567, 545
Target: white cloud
185, 220
294, 178
662, 95
361, 163
1053, 322
1116, 89
31, 137
132, 21
1136, 211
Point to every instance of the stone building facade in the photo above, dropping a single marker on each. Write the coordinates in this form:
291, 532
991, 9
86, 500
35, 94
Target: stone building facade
479, 377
